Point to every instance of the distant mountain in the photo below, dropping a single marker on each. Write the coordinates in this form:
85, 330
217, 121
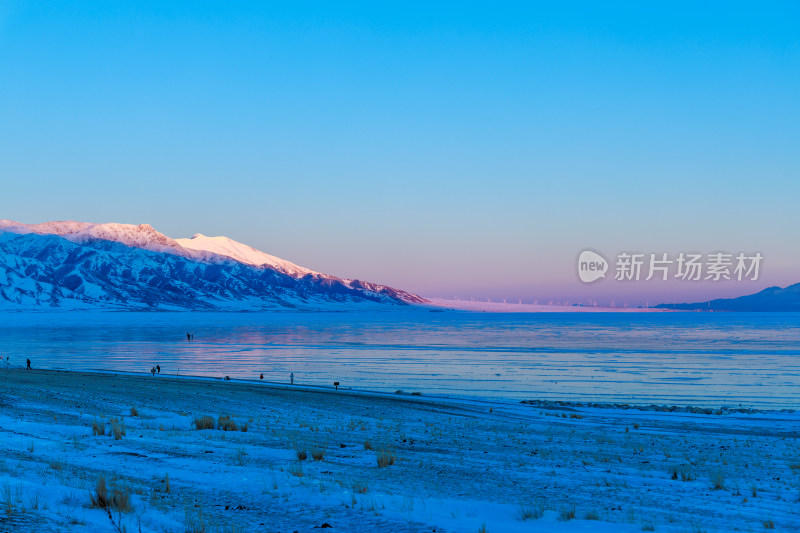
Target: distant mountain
79, 265
770, 299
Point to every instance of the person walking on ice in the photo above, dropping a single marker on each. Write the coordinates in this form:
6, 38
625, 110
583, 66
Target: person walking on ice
29, 364
291, 378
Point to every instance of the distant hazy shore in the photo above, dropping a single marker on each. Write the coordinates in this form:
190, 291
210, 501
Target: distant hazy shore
513, 307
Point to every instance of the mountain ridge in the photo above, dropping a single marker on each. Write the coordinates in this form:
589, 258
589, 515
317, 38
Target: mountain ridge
770, 299
70, 264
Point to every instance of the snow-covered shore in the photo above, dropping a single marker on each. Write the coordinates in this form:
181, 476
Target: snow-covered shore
458, 465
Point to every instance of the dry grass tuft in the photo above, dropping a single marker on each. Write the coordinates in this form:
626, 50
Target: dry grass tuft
195, 523
385, 457
318, 452
203, 422
566, 513
134, 411
531, 512
717, 480
240, 457
118, 498
226, 423
768, 524
367, 445
98, 428
591, 515
682, 472
117, 428
296, 469
8, 497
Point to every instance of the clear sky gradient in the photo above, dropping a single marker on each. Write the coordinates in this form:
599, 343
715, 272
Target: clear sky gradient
452, 149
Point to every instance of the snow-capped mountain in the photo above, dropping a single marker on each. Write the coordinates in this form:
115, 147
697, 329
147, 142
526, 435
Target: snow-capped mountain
139, 236
82, 265
242, 253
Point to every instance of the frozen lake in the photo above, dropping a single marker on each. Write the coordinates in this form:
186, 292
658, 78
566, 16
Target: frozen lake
675, 358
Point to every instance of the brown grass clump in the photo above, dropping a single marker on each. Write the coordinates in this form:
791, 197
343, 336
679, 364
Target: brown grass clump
318, 453
566, 513
240, 457
531, 512
302, 455
203, 422
385, 457
296, 469
226, 423
195, 523
117, 428
118, 498
591, 515
134, 411
98, 428
717, 480
367, 445
682, 472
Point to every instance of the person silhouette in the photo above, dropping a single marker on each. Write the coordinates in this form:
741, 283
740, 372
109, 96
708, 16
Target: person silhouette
158, 368
153, 371
188, 337
29, 364
291, 378
261, 377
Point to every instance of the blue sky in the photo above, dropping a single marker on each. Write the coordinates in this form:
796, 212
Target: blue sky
451, 149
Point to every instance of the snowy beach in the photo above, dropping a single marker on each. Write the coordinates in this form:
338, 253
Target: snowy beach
283, 458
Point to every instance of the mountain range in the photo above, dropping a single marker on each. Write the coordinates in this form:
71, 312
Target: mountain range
770, 299
81, 265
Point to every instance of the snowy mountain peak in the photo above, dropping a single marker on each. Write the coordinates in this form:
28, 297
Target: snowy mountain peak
242, 253
137, 235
